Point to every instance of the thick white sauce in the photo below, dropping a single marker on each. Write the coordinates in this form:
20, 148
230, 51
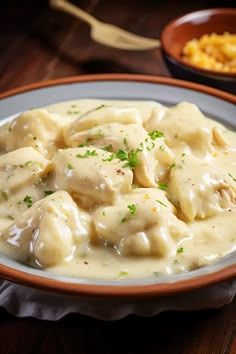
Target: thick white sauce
117, 189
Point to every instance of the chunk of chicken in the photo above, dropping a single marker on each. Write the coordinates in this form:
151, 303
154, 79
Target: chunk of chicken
36, 128
186, 128
52, 230
103, 115
154, 157
21, 168
92, 176
199, 190
142, 223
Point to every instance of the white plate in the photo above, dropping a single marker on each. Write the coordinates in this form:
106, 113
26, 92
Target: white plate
128, 295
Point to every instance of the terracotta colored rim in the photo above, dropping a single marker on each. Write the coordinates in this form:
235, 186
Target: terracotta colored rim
168, 28
122, 291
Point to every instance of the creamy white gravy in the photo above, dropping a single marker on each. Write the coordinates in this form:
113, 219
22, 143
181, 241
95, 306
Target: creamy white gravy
154, 194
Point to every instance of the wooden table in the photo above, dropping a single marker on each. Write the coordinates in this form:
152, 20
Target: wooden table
37, 44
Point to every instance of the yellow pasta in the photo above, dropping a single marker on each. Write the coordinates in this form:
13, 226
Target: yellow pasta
213, 52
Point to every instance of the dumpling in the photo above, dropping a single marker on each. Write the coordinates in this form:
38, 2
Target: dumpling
36, 128
141, 223
186, 129
152, 154
21, 168
200, 190
103, 115
92, 176
49, 232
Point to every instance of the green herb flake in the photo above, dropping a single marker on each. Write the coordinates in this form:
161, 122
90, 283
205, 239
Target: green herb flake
155, 134
85, 143
173, 165
122, 155
133, 160
87, 154
233, 178
122, 273
28, 200
162, 147
161, 203
163, 185
69, 166
48, 192
99, 107
100, 132
123, 220
180, 250
104, 213
107, 148
132, 209
110, 158
73, 112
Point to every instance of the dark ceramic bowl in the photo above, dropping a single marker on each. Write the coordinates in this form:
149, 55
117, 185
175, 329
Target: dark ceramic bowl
194, 25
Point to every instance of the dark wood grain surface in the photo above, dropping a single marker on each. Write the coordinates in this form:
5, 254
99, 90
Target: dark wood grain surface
37, 44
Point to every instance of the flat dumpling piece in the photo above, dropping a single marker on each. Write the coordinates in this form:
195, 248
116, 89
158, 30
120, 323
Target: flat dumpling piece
103, 115
51, 231
21, 168
153, 156
92, 176
199, 189
36, 128
142, 223
185, 127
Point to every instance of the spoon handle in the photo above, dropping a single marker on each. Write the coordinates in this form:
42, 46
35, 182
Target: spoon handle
65, 6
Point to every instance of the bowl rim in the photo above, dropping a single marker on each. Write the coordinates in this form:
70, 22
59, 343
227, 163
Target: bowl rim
119, 291
184, 18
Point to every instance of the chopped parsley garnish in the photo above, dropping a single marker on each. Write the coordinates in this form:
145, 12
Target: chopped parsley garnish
233, 178
161, 203
99, 107
100, 132
130, 157
173, 165
85, 143
122, 155
135, 186
180, 250
87, 154
123, 220
73, 112
155, 134
69, 166
163, 185
28, 200
132, 209
133, 160
162, 147
48, 192
122, 273
107, 148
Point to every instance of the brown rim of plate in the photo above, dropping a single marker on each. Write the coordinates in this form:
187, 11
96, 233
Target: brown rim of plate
198, 70
119, 291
